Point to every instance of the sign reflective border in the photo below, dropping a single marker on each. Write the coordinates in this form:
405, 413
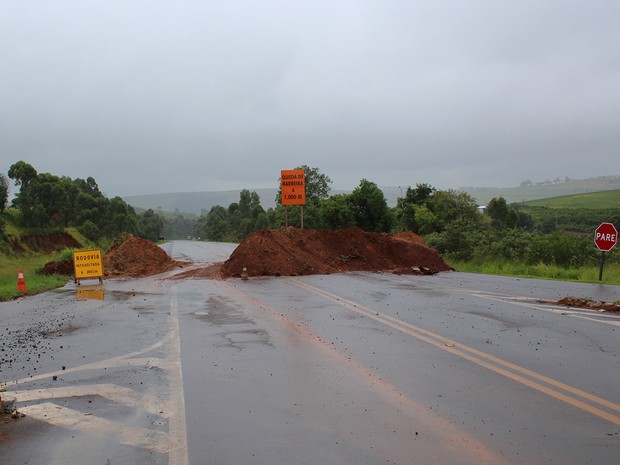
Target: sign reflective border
293, 183
88, 264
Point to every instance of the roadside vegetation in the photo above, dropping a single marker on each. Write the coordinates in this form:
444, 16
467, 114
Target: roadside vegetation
549, 240
48, 206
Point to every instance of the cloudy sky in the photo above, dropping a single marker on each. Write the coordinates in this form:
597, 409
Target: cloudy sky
160, 96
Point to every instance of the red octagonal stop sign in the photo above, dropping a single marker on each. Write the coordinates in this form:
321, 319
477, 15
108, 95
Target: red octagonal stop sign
606, 237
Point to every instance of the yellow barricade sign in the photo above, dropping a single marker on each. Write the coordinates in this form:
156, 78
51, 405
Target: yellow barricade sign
88, 264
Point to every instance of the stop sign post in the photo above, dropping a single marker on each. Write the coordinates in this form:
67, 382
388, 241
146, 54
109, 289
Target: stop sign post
605, 238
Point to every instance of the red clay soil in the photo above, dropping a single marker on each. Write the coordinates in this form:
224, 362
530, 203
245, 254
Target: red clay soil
64, 267
578, 302
48, 243
283, 252
295, 252
137, 257
131, 257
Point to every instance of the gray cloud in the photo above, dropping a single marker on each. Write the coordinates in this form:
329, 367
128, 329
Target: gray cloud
154, 96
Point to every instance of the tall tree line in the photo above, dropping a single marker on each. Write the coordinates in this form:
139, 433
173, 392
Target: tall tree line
47, 201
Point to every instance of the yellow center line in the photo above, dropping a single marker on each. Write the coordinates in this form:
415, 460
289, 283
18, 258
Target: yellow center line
503, 367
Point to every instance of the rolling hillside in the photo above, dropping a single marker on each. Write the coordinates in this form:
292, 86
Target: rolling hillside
195, 202
593, 200
545, 190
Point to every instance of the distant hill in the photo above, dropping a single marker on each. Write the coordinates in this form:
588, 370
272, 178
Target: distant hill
544, 190
593, 200
195, 202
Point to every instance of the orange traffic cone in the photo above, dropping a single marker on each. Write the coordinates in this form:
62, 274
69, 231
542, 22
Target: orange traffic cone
21, 282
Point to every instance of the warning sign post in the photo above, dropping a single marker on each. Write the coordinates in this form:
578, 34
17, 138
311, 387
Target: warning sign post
87, 264
293, 186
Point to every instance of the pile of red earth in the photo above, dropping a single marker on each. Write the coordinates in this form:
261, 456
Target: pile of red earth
295, 252
60, 267
137, 257
131, 257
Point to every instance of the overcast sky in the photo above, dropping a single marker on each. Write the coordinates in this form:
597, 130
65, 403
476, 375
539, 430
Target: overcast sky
179, 96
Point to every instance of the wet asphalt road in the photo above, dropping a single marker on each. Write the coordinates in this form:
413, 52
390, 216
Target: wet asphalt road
342, 369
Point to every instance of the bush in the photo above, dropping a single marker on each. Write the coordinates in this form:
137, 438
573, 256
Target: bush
89, 230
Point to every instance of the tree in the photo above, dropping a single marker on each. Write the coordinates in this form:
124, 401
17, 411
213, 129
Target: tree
337, 212
501, 215
4, 192
420, 194
408, 205
22, 173
318, 185
89, 230
450, 222
216, 227
450, 205
121, 218
370, 208
247, 202
152, 225
425, 220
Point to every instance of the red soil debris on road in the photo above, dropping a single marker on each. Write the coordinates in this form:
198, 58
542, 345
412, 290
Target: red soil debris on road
294, 252
578, 302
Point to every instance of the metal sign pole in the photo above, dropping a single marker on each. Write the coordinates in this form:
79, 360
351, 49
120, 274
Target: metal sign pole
600, 271
302, 217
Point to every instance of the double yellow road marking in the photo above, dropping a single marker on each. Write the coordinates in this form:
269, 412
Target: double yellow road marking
590, 403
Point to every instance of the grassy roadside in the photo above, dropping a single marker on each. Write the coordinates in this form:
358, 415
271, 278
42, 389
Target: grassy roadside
35, 283
29, 261
611, 272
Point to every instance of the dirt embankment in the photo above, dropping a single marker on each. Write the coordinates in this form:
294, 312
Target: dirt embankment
294, 252
44, 243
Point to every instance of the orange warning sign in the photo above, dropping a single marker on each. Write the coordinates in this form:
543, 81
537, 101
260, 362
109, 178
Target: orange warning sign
293, 184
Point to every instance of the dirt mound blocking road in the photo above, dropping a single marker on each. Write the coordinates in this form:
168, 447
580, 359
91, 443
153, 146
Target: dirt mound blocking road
284, 252
294, 252
137, 257
131, 257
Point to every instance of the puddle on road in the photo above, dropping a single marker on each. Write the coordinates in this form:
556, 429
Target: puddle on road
98, 292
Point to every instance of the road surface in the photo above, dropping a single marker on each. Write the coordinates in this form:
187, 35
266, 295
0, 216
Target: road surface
360, 368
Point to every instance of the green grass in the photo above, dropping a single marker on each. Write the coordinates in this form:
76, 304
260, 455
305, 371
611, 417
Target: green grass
30, 262
591, 200
611, 272
35, 284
